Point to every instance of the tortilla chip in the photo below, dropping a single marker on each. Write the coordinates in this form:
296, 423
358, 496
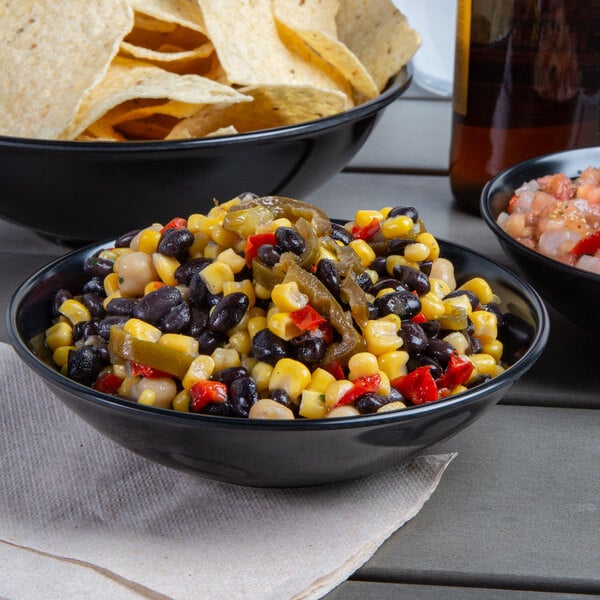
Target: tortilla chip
52, 53
197, 61
251, 52
272, 106
129, 79
308, 15
379, 35
179, 12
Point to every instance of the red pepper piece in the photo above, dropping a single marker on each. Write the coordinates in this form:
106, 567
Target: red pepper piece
418, 386
336, 369
588, 245
254, 242
362, 385
146, 371
458, 371
366, 232
307, 318
108, 383
326, 332
176, 223
511, 204
205, 391
419, 318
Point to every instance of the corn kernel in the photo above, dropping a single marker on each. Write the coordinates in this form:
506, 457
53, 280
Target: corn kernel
381, 336
288, 297
111, 297
119, 371
481, 288
224, 237
181, 402
234, 260
485, 364
326, 253
148, 241
202, 367
147, 397
256, 324
439, 287
361, 364
272, 226
59, 334
215, 275
364, 251
75, 311
336, 390
385, 386
281, 325
396, 226
416, 252
312, 405
61, 355
165, 267
212, 250
396, 260
290, 375
385, 292
461, 303
393, 363
261, 373
111, 283
245, 287
194, 221
458, 340
432, 306
249, 362
142, 330
241, 342
495, 348
179, 342
364, 217
485, 325
262, 292
225, 358
152, 286
391, 406
199, 244
125, 387
385, 211
429, 240
320, 380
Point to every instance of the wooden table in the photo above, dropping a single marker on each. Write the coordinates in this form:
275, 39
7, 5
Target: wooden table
517, 513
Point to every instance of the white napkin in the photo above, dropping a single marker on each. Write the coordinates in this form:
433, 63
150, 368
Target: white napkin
81, 517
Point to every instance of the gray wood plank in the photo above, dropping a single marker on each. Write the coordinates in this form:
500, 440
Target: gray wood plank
518, 508
360, 590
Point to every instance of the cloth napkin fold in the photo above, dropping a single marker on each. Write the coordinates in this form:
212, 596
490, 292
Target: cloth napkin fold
81, 517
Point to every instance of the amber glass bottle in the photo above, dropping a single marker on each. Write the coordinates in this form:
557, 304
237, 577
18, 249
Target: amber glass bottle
526, 82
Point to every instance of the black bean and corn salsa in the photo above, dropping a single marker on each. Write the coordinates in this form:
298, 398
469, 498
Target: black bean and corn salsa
265, 308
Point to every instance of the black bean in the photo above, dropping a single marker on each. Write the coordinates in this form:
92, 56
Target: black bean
155, 305
516, 336
209, 342
123, 241
414, 279
177, 319
242, 395
60, 296
212, 299
473, 299
364, 281
370, 402
198, 321
415, 339
189, 268
425, 266
307, 348
268, 347
217, 409
494, 308
228, 312
384, 283
281, 396
85, 329
121, 306
425, 361
289, 240
373, 311
328, 274
104, 352
409, 211
106, 323
84, 365
341, 234
475, 346
379, 265
197, 290
94, 285
268, 254
229, 374
397, 245
175, 242
396, 396
97, 267
440, 350
401, 303
431, 328
94, 303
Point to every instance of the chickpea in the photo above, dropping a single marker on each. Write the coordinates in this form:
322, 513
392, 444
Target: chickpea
342, 411
135, 271
443, 269
164, 389
266, 408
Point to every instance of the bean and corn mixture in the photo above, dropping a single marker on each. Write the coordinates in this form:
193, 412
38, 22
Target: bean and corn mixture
264, 308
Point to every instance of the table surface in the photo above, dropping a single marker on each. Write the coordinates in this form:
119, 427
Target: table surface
517, 513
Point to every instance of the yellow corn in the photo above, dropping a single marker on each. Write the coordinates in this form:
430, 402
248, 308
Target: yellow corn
385, 386
391, 406
480, 287
364, 217
202, 367
147, 397
461, 303
199, 244
225, 357
458, 340
364, 251
113, 253
336, 390
485, 364
61, 355
320, 380
325, 253
234, 260
312, 405
381, 335
152, 286
281, 324
241, 342
223, 237
485, 325
59, 334
385, 211
193, 222
287, 297
112, 296
119, 371
111, 283
256, 324
75, 311
439, 287
249, 362
245, 286
148, 241
416, 252
361, 364
393, 363
165, 267
432, 306
291, 376
394, 260
180, 342
142, 330
261, 373
262, 292
495, 348
181, 402
384, 292
272, 226
126, 385
396, 226
212, 250
215, 275
429, 240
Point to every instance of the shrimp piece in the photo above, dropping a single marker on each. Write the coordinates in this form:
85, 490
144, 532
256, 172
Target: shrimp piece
558, 185
515, 225
590, 176
591, 193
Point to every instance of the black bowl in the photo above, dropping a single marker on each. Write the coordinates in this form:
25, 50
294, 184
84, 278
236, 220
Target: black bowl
81, 192
263, 452
572, 292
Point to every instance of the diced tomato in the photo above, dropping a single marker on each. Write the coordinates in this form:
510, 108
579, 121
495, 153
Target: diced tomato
362, 385
176, 223
254, 242
146, 371
368, 231
418, 386
588, 245
108, 383
307, 318
205, 391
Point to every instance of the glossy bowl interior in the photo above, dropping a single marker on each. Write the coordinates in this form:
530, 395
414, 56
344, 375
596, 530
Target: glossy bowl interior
262, 452
572, 292
81, 192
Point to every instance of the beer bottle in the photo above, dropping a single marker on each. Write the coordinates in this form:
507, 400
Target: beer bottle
526, 83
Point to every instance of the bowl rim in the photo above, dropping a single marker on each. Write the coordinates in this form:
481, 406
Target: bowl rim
396, 86
494, 186
51, 376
